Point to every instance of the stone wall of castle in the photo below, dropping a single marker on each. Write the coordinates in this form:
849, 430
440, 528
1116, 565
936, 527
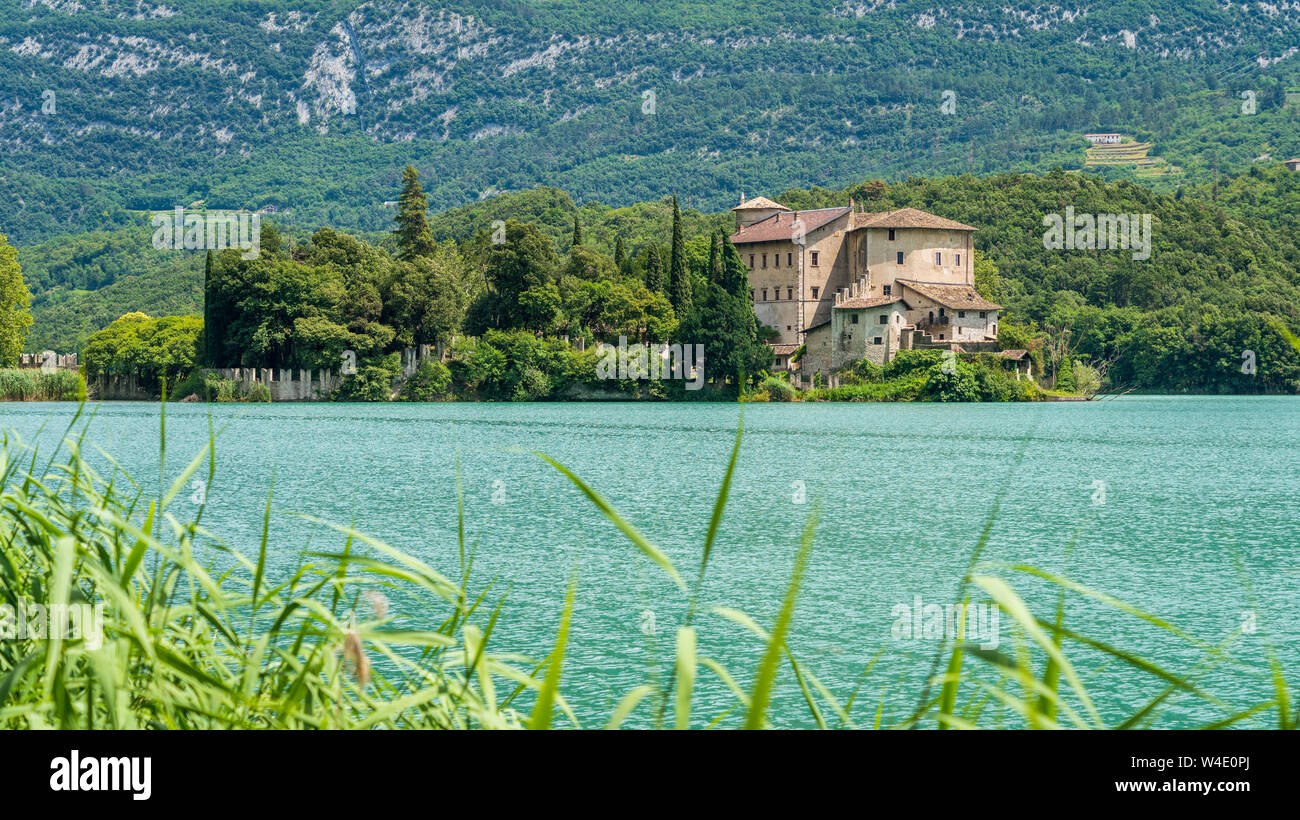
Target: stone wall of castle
48, 360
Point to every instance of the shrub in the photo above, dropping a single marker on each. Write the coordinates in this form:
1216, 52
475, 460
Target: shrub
778, 389
431, 382
373, 380
957, 385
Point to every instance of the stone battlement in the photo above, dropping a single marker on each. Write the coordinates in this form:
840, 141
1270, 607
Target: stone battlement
48, 360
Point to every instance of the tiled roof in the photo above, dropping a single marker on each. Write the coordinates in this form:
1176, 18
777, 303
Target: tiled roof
822, 323
907, 218
784, 350
867, 302
759, 202
781, 226
1013, 354
960, 297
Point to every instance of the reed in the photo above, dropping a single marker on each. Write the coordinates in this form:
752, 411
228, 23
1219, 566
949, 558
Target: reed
41, 385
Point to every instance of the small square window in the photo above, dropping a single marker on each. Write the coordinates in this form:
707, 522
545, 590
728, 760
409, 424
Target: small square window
961, 314
886, 289
900, 257
855, 318
876, 341
891, 234
814, 292
984, 314
884, 320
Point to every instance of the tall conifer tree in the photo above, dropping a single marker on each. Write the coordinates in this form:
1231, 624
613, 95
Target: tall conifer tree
654, 269
413, 235
679, 279
210, 331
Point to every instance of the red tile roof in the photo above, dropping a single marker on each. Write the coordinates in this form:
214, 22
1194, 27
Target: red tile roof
784, 349
907, 218
868, 302
780, 227
960, 297
759, 203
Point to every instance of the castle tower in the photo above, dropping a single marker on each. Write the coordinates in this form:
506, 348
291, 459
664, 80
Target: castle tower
756, 210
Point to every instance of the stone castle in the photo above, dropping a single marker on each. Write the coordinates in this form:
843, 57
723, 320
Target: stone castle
848, 284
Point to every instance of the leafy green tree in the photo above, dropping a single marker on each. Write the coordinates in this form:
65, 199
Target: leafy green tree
425, 300
584, 262
525, 260
413, 235
153, 350
15, 299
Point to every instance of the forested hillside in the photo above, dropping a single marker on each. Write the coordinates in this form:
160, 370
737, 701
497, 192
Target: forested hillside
111, 107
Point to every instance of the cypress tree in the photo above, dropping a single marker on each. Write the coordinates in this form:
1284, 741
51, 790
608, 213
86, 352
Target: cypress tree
577, 231
413, 235
679, 280
620, 256
1065, 375
735, 278
654, 269
210, 341
715, 260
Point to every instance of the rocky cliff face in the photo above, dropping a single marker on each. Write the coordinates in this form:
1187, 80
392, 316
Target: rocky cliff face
146, 88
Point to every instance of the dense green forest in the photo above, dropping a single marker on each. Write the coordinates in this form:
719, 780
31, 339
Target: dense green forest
114, 107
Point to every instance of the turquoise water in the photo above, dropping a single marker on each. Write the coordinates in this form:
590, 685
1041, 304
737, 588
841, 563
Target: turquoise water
1199, 495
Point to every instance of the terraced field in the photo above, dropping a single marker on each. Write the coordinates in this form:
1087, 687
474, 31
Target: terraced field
1129, 153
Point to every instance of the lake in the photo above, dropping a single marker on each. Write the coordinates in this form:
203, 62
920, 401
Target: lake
1175, 505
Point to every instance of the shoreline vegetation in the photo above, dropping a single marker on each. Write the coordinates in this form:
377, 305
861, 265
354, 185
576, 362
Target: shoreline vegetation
39, 385
223, 641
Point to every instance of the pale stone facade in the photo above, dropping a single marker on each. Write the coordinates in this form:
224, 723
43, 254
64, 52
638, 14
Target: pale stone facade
827, 278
